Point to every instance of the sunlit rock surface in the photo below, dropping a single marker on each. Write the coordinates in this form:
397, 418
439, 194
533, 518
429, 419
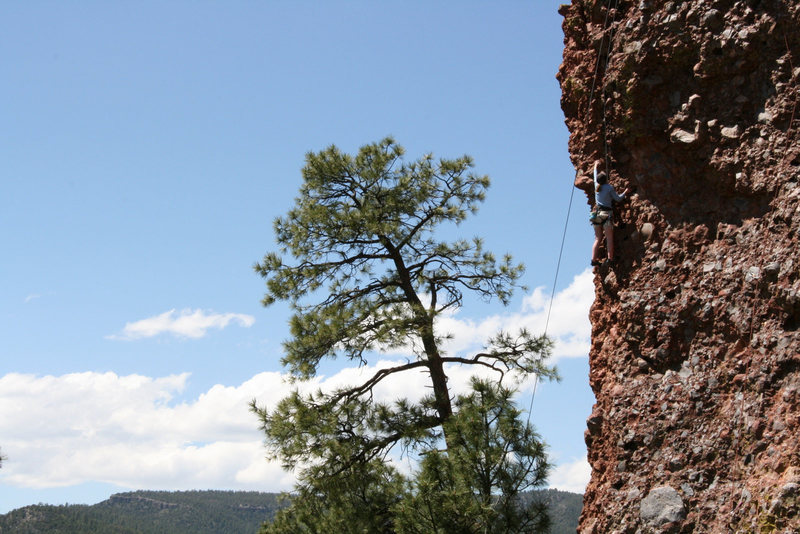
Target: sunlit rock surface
695, 359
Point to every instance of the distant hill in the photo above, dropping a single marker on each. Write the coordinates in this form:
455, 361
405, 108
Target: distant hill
565, 509
149, 512
199, 512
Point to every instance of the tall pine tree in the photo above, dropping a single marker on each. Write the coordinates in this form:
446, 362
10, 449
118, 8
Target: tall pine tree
363, 270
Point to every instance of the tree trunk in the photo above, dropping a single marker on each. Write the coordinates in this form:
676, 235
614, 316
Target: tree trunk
439, 379
425, 322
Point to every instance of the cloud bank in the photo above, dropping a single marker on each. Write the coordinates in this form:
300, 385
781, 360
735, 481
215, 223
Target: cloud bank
569, 325
188, 324
123, 430
571, 476
60, 431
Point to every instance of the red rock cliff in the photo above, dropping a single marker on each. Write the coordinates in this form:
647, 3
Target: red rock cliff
695, 358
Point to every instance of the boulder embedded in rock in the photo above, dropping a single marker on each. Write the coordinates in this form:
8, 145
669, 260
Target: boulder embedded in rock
662, 505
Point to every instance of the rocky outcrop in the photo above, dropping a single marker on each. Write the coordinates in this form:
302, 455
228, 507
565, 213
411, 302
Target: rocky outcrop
695, 358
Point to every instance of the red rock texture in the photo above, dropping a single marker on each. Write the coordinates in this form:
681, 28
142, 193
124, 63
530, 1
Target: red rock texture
695, 358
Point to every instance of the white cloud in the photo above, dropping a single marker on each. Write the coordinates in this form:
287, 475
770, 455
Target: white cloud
568, 326
124, 430
571, 476
130, 430
187, 323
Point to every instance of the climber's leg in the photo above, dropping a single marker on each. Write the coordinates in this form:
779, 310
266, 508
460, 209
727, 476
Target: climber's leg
598, 242
608, 230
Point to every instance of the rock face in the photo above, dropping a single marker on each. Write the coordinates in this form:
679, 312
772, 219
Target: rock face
695, 358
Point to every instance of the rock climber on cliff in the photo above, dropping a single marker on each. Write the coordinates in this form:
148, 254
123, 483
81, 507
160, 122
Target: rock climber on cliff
604, 197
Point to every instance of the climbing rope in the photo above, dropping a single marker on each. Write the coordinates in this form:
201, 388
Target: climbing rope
572, 187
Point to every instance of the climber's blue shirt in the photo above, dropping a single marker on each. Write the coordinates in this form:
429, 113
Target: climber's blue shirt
605, 195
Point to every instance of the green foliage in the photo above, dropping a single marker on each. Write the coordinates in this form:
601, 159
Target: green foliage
476, 486
205, 512
359, 499
75, 519
363, 271
149, 512
362, 229
563, 508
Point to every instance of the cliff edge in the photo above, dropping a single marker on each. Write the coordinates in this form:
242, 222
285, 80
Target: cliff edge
695, 358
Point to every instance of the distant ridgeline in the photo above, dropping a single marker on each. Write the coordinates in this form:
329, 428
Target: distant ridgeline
200, 512
149, 512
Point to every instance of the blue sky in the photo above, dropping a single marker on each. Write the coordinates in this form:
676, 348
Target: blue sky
146, 149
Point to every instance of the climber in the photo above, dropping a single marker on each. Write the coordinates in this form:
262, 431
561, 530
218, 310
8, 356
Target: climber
604, 197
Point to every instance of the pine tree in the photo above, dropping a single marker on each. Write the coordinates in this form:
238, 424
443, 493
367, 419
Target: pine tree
477, 485
361, 266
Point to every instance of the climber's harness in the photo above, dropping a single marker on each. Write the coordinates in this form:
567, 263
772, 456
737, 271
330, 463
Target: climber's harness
599, 215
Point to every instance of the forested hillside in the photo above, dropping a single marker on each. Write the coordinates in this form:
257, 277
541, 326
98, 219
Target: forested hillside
149, 512
564, 508
199, 512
